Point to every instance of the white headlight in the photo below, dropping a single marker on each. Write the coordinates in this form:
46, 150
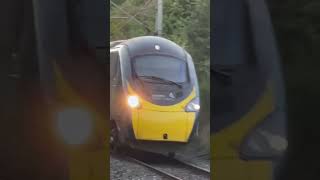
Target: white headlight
133, 101
193, 106
74, 125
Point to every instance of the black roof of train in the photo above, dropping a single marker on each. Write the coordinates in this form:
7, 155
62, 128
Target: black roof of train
147, 44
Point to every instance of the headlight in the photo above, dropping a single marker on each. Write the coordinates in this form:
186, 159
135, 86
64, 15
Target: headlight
133, 101
193, 106
74, 125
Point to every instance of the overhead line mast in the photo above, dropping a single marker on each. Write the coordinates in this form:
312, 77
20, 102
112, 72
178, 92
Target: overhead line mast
159, 17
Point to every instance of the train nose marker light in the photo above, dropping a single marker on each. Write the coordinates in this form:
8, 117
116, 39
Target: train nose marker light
157, 47
196, 106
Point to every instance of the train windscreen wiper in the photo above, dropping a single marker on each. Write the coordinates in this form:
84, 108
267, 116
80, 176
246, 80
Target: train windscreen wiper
161, 79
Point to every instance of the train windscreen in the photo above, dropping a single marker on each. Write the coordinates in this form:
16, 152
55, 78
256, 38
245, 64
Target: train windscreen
162, 67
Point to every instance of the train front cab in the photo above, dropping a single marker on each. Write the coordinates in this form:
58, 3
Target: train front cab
146, 108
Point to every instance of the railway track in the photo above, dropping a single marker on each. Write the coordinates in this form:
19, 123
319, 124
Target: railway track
172, 168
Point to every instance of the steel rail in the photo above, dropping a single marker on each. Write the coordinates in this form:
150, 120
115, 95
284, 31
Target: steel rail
157, 170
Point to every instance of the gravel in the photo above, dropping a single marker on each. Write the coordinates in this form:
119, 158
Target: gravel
182, 173
176, 168
122, 169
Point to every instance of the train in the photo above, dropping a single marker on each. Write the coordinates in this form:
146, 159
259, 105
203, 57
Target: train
154, 95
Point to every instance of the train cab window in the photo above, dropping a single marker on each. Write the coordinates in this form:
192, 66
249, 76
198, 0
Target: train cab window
164, 67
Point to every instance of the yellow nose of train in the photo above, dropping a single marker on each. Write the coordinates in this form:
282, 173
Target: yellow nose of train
161, 123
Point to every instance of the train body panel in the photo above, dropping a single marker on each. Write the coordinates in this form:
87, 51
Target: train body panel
152, 126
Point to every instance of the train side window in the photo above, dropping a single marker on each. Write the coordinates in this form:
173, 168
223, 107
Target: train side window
117, 79
115, 73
